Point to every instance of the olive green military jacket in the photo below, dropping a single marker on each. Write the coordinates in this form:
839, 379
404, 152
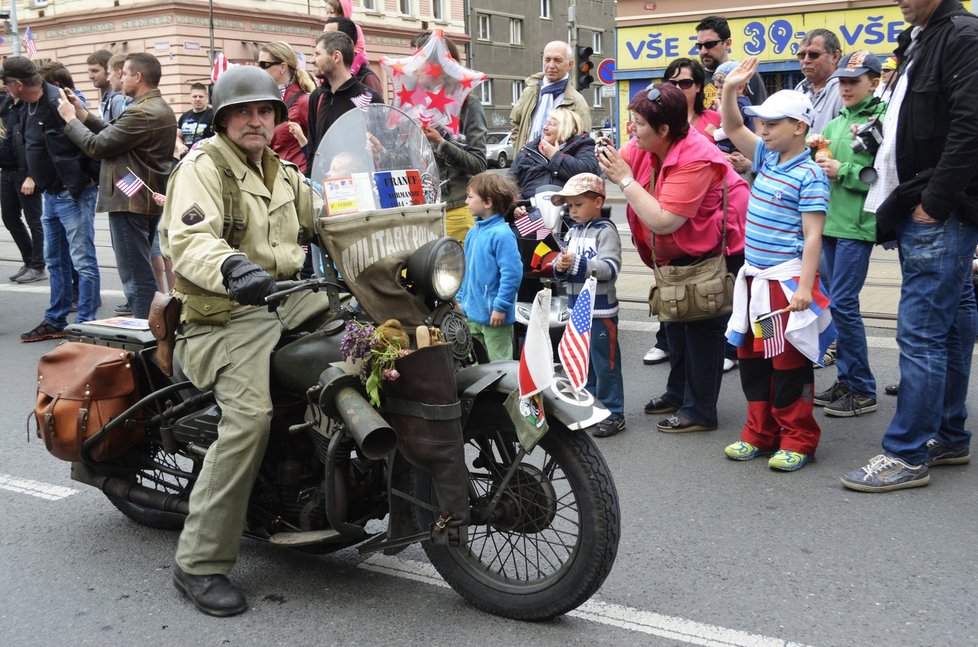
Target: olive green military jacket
276, 205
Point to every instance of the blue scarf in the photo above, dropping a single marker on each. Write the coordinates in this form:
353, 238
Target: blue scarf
545, 103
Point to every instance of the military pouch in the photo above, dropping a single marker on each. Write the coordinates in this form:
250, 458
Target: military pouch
207, 310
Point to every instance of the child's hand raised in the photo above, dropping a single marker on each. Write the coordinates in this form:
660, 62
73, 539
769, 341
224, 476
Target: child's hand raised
741, 74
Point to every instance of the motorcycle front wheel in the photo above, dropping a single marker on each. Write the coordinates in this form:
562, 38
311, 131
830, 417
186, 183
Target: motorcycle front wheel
551, 540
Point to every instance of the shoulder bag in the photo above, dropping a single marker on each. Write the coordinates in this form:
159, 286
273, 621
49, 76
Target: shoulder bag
703, 290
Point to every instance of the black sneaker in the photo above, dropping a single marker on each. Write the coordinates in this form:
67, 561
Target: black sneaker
831, 394
43, 331
851, 404
122, 310
940, 454
609, 427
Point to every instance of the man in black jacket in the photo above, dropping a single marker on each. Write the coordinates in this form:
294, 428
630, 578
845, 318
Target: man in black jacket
927, 194
18, 195
69, 180
340, 91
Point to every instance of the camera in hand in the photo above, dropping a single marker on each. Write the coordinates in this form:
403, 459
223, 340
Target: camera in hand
868, 137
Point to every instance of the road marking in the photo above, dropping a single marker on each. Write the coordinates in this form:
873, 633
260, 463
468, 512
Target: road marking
654, 624
44, 288
35, 488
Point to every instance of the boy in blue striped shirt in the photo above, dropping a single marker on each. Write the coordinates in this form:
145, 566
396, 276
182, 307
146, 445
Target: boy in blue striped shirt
783, 235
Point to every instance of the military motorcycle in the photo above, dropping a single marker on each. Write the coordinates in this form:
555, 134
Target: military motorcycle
525, 532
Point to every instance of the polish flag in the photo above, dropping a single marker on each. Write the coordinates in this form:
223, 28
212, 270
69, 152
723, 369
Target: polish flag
221, 65
537, 359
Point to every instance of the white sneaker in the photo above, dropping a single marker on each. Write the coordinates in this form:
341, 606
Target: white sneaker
729, 364
655, 356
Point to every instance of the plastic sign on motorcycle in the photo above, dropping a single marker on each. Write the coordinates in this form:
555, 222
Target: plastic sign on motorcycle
430, 85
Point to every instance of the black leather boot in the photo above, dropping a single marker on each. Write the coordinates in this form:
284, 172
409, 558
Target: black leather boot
423, 407
212, 594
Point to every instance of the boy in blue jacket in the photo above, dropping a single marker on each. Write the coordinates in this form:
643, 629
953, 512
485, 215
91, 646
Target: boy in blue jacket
493, 268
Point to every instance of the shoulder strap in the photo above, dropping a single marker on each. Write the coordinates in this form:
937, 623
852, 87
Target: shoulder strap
234, 220
295, 97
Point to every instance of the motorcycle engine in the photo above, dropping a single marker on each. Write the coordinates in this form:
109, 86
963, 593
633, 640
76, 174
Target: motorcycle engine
457, 333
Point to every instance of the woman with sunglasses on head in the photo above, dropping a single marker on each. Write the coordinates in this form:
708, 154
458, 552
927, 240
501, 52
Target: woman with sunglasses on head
290, 137
688, 75
674, 182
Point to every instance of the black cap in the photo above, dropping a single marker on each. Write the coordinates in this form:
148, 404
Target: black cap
18, 67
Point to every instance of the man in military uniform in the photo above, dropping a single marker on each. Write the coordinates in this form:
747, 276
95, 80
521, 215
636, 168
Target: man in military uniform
234, 219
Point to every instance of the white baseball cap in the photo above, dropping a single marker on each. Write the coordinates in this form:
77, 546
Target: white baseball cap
784, 103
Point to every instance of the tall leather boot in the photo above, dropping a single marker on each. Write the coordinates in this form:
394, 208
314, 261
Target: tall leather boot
423, 407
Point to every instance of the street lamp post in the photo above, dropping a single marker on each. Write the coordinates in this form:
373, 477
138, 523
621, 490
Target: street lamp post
13, 27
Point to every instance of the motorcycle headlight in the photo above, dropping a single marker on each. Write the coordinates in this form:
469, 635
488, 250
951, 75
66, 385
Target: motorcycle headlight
437, 268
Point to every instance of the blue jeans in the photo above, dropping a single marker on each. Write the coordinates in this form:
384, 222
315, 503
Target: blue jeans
604, 378
69, 240
132, 241
936, 334
845, 264
696, 351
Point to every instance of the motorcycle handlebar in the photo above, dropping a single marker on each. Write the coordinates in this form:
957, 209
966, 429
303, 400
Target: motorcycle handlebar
285, 288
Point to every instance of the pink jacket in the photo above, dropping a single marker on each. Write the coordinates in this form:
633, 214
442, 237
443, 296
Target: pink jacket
701, 234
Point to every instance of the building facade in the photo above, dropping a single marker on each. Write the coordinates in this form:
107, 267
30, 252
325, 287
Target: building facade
180, 32
651, 34
508, 37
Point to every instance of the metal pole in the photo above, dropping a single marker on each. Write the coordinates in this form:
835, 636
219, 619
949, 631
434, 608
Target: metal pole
572, 24
13, 27
210, 14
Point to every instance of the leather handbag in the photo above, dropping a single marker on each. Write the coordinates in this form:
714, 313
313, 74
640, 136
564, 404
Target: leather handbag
702, 290
80, 387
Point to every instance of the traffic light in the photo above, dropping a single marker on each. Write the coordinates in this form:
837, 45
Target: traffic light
584, 67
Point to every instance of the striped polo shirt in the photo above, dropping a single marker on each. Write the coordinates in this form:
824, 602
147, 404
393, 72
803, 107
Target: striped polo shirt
780, 194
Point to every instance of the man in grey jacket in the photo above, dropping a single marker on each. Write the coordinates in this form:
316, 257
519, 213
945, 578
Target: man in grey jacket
545, 91
138, 145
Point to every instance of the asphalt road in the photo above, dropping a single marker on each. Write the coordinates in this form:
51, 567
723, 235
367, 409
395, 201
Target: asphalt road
713, 552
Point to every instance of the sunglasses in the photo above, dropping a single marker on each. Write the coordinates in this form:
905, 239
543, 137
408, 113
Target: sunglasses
654, 94
810, 55
267, 64
710, 44
684, 84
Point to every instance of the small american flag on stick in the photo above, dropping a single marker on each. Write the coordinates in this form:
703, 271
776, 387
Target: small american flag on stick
575, 346
532, 224
130, 184
771, 327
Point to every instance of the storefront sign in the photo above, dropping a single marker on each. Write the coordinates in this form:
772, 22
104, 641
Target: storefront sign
773, 39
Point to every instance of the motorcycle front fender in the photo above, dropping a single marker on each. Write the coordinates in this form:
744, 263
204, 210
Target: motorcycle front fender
574, 410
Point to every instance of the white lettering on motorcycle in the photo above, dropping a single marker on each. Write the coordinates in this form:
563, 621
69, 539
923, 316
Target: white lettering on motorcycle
381, 244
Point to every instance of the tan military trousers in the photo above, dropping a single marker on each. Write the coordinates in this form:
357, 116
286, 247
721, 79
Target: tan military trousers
234, 361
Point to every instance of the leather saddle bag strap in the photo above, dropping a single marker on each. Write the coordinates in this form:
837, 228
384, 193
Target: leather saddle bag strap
723, 234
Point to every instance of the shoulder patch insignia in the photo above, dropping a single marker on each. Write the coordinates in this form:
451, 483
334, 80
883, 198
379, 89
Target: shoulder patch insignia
192, 216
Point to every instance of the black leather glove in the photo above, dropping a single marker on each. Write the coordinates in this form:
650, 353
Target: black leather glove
247, 283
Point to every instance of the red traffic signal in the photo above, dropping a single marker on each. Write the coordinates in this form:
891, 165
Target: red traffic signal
584, 67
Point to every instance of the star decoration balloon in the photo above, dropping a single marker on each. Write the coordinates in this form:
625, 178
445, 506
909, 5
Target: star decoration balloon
430, 85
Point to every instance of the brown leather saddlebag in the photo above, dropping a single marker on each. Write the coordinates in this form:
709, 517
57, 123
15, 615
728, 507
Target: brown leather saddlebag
80, 387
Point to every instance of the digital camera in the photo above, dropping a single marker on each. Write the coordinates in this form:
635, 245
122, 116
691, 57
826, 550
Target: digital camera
868, 137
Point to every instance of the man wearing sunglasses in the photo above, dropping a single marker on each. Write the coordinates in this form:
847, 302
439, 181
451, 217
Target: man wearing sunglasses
818, 56
713, 41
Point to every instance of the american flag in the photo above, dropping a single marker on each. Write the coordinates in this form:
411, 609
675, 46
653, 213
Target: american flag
772, 333
130, 184
575, 346
532, 223
29, 43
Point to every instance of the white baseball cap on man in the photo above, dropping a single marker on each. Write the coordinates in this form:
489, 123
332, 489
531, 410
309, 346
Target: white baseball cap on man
784, 104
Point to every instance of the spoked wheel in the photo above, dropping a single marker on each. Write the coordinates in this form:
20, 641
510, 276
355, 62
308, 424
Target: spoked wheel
164, 472
551, 540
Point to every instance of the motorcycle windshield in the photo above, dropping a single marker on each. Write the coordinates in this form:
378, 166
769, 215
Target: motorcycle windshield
375, 157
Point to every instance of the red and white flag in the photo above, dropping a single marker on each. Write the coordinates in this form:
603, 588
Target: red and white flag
221, 65
575, 346
537, 359
29, 43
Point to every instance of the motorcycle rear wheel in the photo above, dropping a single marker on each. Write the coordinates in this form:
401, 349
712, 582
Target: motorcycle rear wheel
163, 472
554, 537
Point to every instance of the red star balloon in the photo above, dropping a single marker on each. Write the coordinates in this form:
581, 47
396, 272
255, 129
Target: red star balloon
430, 85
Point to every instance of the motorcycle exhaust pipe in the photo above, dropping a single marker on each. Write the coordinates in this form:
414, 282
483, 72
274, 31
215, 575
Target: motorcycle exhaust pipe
339, 397
153, 499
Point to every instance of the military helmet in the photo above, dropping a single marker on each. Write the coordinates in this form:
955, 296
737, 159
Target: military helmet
245, 84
